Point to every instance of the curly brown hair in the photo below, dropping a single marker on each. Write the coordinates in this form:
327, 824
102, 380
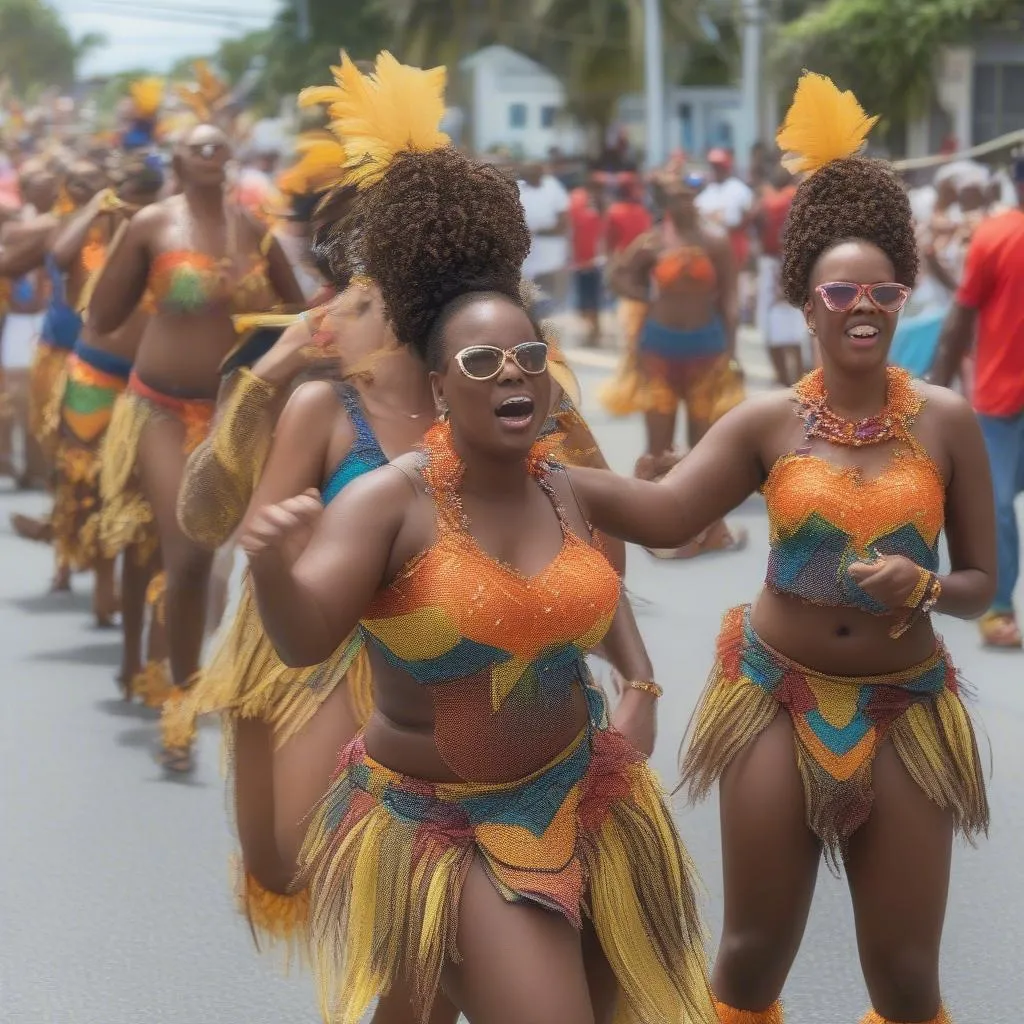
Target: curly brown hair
856, 198
439, 226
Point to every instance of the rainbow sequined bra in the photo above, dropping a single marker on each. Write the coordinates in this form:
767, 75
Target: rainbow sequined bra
823, 517
502, 653
365, 454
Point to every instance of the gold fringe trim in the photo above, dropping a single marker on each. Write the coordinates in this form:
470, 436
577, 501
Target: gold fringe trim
655, 945
730, 1015
178, 719
126, 519
47, 377
153, 684
76, 507
385, 902
279, 922
934, 740
245, 677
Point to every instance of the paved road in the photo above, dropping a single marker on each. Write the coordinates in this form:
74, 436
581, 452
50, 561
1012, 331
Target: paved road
114, 907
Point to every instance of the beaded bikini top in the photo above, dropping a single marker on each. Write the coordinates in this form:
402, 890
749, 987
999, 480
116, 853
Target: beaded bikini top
823, 517
457, 617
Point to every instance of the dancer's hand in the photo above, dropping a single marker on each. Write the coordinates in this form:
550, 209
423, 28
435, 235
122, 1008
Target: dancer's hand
304, 343
890, 580
636, 718
278, 534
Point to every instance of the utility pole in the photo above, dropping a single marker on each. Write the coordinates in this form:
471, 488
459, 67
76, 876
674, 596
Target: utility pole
752, 44
654, 79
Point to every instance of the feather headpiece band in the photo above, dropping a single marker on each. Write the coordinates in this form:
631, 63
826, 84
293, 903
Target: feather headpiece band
202, 98
822, 125
319, 166
397, 109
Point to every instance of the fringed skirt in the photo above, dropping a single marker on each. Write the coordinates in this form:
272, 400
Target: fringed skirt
838, 724
127, 519
246, 679
588, 836
92, 382
45, 392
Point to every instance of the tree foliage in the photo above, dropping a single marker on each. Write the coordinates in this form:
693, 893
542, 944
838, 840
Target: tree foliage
36, 48
884, 50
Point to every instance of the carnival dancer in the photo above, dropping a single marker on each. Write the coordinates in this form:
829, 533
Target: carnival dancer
59, 332
95, 374
686, 349
202, 260
434, 862
833, 718
329, 433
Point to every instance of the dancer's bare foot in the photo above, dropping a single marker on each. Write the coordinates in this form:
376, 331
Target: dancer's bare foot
30, 528
61, 583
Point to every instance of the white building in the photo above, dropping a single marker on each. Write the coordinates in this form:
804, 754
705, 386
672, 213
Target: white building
516, 103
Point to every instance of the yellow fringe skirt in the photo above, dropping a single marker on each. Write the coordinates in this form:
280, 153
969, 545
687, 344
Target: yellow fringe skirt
838, 724
588, 836
45, 394
127, 518
246, 679
91, 383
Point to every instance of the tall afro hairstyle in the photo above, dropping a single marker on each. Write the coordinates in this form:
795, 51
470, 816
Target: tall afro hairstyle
852, 198
437, 227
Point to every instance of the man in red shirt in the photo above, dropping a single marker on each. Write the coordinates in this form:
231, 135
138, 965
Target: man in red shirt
627, 217
587, 227
990, 305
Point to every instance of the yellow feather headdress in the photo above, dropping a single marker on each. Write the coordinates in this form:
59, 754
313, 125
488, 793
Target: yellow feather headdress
147, 94
319, 166
822, 125
397, 109
203, 97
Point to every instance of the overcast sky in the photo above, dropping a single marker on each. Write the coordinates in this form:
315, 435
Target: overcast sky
154, 33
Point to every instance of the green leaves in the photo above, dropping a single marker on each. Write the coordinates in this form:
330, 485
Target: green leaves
36, 48
884, 50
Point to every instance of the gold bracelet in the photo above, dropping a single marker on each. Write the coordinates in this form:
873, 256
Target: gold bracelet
917, 595
646, 686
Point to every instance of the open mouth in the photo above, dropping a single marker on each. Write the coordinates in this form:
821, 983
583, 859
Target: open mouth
516, 412
863, 334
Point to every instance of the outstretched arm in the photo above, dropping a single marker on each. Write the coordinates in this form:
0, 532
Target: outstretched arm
315, 571
721, 472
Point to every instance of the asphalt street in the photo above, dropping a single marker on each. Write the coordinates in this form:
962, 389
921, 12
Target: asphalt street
114, 887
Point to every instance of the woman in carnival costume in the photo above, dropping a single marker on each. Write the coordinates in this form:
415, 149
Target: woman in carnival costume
684, 274
878, 768
488, 839
61, 327
97, 373
201, 260
328, 434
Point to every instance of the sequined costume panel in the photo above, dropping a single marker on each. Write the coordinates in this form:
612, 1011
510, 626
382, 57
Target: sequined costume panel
492, 643
822, 518
186, 283
365, 454
93, 381
839, 723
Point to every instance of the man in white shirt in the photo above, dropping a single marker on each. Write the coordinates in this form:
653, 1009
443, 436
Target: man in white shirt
728, 202
546, 205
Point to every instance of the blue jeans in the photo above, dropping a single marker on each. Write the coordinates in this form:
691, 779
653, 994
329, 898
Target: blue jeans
1004, 439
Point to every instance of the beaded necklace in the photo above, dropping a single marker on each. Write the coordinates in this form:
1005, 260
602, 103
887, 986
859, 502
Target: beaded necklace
902, 404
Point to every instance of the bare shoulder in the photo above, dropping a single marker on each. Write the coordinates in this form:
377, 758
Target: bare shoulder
943, 406
313, 398
151, 219
766, 411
